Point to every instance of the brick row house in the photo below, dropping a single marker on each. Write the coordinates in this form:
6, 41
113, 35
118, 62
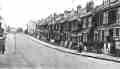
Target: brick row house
106, 27
97, 30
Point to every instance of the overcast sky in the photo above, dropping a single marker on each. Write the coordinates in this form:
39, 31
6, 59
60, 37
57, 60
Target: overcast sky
17, 13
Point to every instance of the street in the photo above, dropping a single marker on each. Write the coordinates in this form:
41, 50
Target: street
24, 53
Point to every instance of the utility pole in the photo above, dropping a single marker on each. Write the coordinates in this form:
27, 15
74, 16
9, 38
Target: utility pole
15, 43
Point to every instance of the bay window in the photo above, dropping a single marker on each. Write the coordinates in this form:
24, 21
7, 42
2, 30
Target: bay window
118, 16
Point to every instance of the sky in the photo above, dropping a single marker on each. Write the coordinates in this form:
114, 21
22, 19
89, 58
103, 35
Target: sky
17, 13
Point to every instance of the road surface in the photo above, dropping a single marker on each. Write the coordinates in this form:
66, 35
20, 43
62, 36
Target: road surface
24, 53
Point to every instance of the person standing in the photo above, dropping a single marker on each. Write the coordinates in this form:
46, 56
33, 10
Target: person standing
2, 39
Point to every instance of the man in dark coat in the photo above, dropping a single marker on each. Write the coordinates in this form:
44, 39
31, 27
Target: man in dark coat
2, 39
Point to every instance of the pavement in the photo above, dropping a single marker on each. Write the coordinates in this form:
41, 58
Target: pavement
87, 54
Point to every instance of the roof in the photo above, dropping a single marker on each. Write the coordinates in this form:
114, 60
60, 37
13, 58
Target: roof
86, 14
61, 20
43, 22
74, 18
103, 7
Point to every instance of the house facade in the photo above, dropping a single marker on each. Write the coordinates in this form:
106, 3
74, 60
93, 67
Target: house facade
97, 30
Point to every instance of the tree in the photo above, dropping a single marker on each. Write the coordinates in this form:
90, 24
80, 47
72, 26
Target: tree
8, 29
26, 31
19, 30
90, 6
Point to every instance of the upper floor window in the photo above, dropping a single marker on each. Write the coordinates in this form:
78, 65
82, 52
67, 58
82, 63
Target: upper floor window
118, 19
105, 17
106, 2
97, 19
112, 16
87, 21
84, 22
118, 16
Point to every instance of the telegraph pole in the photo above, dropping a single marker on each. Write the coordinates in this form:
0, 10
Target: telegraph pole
15, 43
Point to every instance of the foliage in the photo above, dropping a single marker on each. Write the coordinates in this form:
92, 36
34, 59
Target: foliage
19, 30
26, 31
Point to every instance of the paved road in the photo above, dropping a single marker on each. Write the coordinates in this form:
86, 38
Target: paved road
26, 53
12, 59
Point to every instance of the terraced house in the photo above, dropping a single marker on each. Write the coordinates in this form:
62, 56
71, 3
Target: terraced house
106, 26
92, 29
